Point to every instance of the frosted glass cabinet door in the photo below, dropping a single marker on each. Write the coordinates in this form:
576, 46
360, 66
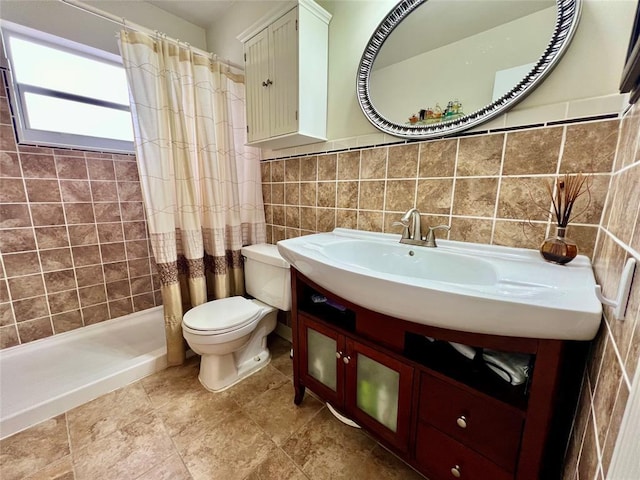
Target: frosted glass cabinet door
321, 358
377, 391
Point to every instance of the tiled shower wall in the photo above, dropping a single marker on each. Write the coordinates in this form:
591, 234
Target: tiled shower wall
616, 349
73, 239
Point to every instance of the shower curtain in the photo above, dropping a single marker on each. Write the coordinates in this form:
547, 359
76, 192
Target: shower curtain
201, 185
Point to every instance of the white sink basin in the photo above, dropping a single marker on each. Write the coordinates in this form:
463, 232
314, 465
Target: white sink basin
416, 262
460, 286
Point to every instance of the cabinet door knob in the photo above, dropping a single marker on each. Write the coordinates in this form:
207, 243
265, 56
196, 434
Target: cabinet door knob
267, 83
462, 421
456, 471
338, 354
346, 359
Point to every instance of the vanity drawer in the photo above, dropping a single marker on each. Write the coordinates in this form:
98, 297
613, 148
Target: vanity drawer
492, 429
443, 458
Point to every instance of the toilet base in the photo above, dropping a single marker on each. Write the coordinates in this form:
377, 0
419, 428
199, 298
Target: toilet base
228, 361
219, 372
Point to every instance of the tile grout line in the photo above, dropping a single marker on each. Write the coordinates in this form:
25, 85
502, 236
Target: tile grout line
453, 186
73, 259
619, 358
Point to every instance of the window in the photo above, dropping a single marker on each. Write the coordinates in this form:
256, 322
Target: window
66, 94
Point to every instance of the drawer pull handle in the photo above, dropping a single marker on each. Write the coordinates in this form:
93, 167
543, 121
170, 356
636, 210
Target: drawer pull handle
456, 471
346, 359
462, 421
338, 355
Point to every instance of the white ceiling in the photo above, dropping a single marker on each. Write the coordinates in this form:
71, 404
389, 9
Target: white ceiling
199, 12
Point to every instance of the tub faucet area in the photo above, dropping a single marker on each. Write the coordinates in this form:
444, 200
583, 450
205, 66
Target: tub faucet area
412, 230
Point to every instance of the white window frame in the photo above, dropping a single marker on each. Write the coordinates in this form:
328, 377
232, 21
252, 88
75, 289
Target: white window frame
30, 136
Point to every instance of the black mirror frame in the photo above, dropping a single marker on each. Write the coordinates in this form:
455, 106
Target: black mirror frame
567, 18
630, 82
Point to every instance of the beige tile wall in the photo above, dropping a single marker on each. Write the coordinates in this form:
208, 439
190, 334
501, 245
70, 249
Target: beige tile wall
74, 246
616, 349
490, 188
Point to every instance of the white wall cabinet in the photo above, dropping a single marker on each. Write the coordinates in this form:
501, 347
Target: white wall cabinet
286, 58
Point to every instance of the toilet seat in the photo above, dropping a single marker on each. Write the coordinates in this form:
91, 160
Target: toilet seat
221, 316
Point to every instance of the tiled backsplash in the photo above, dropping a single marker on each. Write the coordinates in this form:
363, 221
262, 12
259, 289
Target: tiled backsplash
490, 188
74, 246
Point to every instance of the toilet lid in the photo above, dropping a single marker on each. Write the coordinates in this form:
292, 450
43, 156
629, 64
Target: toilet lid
222, 315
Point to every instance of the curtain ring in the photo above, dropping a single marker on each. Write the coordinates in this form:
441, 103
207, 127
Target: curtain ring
124, 27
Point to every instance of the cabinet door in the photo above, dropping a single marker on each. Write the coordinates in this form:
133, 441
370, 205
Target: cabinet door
257, 67
378, 392
321, 369
284, 74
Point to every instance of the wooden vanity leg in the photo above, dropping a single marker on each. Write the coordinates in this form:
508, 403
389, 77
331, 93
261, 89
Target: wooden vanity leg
299, 394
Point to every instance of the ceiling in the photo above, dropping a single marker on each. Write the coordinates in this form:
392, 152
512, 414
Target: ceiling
199, 12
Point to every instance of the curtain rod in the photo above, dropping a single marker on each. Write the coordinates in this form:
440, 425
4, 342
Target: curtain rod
134, 26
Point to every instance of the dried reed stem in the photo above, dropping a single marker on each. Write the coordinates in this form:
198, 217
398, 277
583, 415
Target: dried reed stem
567, 190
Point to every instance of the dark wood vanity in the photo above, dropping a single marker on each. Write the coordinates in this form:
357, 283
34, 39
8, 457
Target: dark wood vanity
446, 415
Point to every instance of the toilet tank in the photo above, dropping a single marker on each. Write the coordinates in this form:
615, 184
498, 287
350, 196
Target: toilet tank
267, 276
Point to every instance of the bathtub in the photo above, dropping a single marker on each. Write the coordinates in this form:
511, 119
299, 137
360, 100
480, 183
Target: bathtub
47, 377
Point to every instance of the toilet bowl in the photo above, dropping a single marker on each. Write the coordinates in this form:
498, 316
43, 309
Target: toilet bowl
230, 334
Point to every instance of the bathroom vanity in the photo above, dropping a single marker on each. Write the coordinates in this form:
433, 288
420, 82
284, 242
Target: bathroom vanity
446, 415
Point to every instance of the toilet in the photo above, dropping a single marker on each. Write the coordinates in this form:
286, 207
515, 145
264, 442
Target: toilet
230, 334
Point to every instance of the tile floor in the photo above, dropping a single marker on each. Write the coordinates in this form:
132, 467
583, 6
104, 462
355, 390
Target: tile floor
168, 427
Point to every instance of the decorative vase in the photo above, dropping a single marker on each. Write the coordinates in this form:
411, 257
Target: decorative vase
558, 248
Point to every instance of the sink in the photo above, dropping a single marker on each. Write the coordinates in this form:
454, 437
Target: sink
414, 262
460, 286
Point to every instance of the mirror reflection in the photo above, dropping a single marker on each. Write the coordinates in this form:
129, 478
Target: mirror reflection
436, 67
450, 58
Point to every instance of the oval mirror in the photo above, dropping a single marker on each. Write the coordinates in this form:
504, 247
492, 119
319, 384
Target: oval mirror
436, 67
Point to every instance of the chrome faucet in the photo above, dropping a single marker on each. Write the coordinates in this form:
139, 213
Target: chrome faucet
412, 231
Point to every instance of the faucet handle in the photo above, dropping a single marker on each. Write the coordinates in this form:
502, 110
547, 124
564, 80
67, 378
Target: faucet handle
430, 240
404, 225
